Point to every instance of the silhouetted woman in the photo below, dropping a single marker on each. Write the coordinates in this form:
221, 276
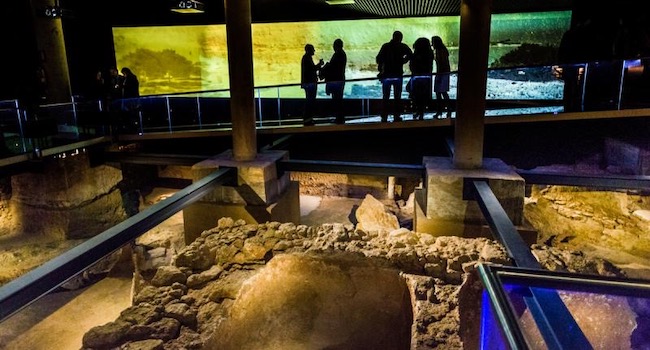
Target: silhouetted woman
421, 66
441, 82
130, 85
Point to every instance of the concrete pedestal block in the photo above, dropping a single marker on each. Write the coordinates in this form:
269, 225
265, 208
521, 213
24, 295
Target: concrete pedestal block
260, 195
441, 209
68, 199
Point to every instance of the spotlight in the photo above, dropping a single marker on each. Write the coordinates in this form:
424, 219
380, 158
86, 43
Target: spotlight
188, 6
339, 2
55, 12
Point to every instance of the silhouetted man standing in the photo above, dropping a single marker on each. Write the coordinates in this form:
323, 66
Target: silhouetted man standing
390, 62
309, 82
334, 74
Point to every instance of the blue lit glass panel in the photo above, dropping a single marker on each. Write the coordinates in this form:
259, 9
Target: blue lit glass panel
609, 319
491, 333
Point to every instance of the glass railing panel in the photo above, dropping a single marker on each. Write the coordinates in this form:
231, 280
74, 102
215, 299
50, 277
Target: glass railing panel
92, 117
635, 86
609, 321
149, 113
215, 111
292, 104
11, 129
524, 90
491, 336
63, 115
605, 312
184, 112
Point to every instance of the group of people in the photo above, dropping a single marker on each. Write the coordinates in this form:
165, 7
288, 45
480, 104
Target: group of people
116, 87
332, 72
390, 60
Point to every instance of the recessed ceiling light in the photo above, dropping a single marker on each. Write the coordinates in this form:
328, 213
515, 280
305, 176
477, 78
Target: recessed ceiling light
188, 6
339, 2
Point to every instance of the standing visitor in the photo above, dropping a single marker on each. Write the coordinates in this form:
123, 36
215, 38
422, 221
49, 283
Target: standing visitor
441, 81
390, 61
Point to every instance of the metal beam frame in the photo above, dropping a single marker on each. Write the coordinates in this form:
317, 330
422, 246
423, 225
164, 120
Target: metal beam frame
614, 182
26, 289
379, 169
558, 328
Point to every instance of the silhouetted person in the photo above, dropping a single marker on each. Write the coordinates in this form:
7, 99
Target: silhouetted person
114, 87
98, 90
130, 100
441, 81
390, 61
130, 85
421, 67
309, 82
334, 74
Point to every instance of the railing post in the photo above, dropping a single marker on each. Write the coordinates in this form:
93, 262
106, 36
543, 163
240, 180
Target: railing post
198, 111
259, 104
20, 125
169, 113
279, 111
620, 85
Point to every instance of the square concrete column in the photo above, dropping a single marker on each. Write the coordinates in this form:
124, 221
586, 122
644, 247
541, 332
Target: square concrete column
259, 195
440, 207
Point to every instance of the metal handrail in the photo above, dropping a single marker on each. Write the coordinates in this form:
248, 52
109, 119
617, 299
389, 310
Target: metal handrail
28, 288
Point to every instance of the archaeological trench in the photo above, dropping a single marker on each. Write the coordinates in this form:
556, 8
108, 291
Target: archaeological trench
370, 283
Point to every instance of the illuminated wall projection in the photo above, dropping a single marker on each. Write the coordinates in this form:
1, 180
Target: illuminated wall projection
194, 58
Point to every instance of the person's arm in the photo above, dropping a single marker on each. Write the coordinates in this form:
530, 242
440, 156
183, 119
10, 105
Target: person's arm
408, 54
380, 56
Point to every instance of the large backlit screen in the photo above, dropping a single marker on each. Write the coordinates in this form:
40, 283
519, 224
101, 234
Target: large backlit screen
171, 59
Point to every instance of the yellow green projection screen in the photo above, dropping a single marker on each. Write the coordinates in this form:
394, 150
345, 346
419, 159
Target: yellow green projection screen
171, 59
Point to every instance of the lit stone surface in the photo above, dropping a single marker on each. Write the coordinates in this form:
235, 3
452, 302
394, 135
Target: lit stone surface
285, 286
372, 215
606, 321
315, 302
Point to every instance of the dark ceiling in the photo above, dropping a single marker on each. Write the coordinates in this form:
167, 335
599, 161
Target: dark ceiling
406, 8
148, 12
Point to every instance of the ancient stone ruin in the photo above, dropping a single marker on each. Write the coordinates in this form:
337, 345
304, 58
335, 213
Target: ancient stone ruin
286, 286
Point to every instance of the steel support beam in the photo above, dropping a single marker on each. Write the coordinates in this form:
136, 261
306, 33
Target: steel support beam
26, 289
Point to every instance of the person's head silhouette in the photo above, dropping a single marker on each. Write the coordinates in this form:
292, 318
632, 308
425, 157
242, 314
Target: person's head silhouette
397, 36
338, 45
309, 49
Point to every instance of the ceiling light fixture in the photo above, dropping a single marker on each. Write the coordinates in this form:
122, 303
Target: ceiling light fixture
188, 6
339, 2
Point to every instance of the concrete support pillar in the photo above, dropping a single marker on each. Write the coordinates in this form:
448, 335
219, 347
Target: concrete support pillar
441, 210
473, 49
240, 66
51, 49
260, 194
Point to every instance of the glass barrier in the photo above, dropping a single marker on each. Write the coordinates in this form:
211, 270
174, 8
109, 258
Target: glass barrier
11, 129
611, 313
513, 91
46, 286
